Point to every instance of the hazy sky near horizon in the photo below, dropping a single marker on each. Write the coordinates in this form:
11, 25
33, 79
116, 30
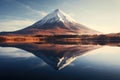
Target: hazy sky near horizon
101, 15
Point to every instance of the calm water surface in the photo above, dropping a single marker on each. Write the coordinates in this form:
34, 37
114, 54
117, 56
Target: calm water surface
59, 62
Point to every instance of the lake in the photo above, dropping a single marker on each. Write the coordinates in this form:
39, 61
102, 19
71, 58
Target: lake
35, 61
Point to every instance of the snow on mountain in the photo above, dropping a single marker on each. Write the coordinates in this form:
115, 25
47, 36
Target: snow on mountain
56, 16
55, 23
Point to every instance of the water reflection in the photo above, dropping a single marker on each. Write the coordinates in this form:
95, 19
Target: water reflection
65, 61
56, 55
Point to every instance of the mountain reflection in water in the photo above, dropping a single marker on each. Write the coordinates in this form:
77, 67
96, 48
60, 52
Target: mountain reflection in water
82, 61
56, 55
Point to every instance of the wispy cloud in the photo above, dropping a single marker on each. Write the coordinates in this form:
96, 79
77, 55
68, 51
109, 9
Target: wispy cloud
41, 13
7, 52
12, 25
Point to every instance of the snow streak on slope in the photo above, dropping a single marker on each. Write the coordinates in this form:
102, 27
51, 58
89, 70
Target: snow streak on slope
55, 23
55, 16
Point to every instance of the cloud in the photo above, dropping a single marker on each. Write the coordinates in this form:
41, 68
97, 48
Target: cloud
12, 25
41, 13
14, 53
3, 50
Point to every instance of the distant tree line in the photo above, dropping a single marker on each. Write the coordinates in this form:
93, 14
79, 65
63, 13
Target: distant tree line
97, 38
2, 39
62, 38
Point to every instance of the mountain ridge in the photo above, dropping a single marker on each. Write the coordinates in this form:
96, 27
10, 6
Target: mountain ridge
55, 23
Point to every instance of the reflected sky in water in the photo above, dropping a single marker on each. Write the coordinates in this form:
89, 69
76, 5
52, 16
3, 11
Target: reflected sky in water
95, 63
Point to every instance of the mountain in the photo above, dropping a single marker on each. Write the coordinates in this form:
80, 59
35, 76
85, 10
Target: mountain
55, 23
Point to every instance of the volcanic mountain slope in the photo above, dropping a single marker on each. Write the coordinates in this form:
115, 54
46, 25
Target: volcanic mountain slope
55, 23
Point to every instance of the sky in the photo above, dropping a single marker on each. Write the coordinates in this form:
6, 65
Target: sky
100, 15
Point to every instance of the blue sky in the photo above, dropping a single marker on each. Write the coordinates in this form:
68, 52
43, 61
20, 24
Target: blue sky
101, 15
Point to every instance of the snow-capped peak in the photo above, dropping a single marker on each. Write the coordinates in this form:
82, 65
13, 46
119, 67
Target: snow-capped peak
56, 16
